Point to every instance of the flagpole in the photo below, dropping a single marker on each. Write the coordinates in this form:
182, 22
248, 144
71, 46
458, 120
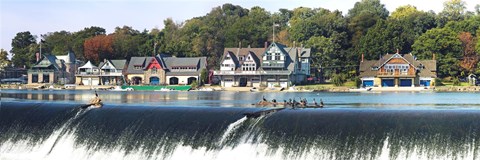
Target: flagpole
273, 32
40, 47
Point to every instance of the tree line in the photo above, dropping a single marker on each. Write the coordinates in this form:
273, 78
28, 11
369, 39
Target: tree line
337, 40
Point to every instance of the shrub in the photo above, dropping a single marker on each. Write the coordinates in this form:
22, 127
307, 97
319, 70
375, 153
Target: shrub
338, 79
194, 84
456, 82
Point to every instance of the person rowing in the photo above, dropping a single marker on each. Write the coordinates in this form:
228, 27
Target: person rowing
96, 101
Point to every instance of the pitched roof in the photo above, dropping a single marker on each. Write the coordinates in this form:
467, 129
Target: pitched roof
425, 68
88, 65
117, 64
52, 59
199, 62
136, 61
430, 68
366, 68
256, 54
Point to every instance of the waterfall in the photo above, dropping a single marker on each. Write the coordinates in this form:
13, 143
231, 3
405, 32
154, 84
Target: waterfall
231, 128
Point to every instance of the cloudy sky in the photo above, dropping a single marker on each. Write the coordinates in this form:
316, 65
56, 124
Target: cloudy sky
43, 16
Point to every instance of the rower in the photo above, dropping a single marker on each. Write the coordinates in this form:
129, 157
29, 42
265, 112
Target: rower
264, 99
315, 102
321, 103
96, 101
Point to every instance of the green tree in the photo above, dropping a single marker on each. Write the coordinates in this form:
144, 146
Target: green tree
362, 16
127, 42
404, 11
203, 76
23, 49
444, 43
371, 6
453, 10
57, 43
4, 62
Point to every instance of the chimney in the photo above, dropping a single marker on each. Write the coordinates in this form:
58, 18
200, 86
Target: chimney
398, 51
294, 44
266, 45
433, 57
362, 57
240, 44
37, 56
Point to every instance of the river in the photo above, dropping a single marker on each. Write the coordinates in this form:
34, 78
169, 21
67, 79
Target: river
212, 125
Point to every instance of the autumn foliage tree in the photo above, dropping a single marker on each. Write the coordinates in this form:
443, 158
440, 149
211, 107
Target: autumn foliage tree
470, 58
98, 48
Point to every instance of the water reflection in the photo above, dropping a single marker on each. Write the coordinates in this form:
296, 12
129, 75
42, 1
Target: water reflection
375, 100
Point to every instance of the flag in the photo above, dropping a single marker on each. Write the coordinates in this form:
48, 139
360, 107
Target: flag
276, 25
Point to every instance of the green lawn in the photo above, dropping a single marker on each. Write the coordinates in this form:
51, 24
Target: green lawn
451, 84
325, 86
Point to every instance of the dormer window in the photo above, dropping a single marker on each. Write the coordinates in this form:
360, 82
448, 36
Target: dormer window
137, 67
241, 58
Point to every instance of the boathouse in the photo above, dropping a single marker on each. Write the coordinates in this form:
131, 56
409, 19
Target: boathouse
397, 70
275, 65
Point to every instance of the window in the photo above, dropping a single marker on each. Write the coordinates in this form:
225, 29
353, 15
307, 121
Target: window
277, 56
269, 56
154, 70
138, 67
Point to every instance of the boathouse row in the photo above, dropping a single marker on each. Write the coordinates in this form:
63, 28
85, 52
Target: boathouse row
156, 70
275, 65
396, 70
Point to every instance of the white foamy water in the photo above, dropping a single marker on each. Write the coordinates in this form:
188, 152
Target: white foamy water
65, 148
232, 127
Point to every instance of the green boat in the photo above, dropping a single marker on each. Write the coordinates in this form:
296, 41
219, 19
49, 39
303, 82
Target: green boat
157, 88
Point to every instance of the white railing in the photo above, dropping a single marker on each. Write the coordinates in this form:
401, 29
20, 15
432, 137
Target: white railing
251, 72
99, 74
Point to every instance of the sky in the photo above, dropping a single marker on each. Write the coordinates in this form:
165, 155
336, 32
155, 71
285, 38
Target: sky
43, 16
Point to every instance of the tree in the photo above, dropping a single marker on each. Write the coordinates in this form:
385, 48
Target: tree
57, 43
470, 58
80, 37
23, 49
362, 16
404, 11
4, 62
126, 42
453, 10
372, 6
444, 43
98, 48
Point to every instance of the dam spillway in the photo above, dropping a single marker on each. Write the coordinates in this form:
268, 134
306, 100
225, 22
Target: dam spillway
347, 129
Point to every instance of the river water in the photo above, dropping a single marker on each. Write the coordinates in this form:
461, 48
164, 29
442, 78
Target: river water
212, 125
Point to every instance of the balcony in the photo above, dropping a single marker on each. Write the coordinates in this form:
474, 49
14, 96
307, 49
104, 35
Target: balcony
41, 70
252, 72
395, 74
99, 74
